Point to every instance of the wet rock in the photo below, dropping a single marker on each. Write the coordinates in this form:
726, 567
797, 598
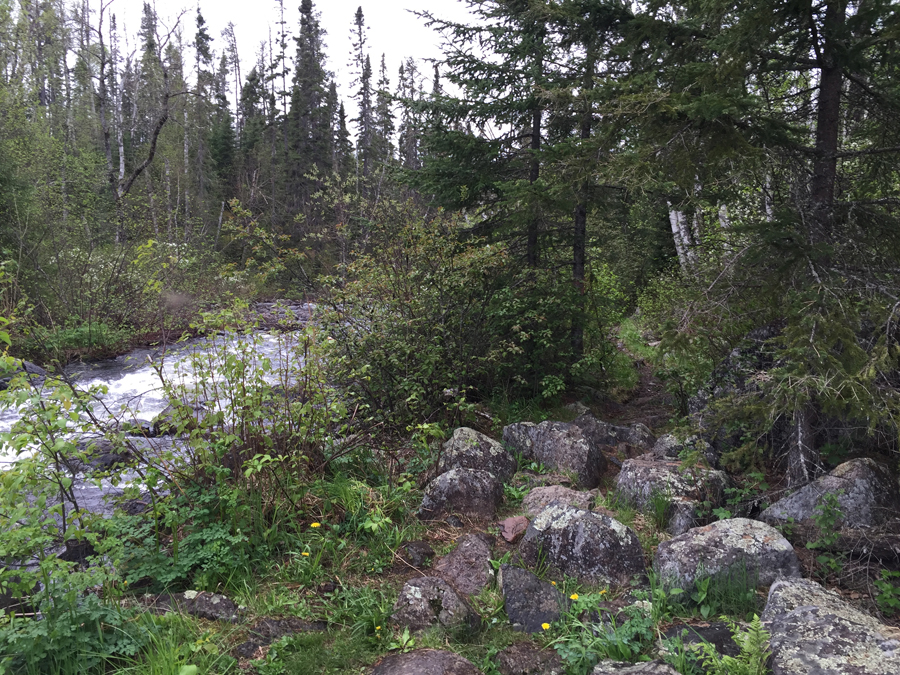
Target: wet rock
138, 427
468, 492
869, 496
641, 481
427, 601
210, 606
469, 449
178, 418
34, 375
425, 662
623, 668
735, 547
559, 447
592, 547
578, 408
417, 553
525, 658
267, 631
530, 602
468, 566
603, 433
538, 499
815, 632
78, 551
513, 528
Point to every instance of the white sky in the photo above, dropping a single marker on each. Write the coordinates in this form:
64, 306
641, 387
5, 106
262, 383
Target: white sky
391, 29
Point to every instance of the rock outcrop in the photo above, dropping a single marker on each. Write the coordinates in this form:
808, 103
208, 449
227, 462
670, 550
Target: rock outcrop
469, 449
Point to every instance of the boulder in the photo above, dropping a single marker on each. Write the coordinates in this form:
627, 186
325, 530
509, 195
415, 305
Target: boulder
641, 481
603, 433
728, 548
427, 601
101, 454
530, 602
468, 566
425, 662
538, 499
469, 492
177, 418
512, 529
866, 491
814, 631
469, 449
624, 668
592, 547
525, 658
560, 447
519, 438
34, 375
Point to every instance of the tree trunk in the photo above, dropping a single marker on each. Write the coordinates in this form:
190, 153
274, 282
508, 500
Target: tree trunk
802, 460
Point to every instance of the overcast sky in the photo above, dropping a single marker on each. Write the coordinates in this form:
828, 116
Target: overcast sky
393, 30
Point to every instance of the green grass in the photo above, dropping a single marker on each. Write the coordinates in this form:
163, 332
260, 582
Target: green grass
633, 339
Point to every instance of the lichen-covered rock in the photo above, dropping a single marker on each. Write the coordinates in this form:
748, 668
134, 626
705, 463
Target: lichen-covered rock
469, 449
726, 548
530, 602
538, 499
604, 433
592, 547
468, 566
814, 632
468, 492
519, 438
559, 447
425, 662
867, 494
624, 668
525, 658
641, 481
416, 554
427, 601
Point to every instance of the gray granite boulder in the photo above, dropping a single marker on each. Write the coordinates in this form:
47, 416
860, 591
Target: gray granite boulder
469, 492
538, 499
815, 632
866, 491
468, 566
641, 480
425, 662
604, 433
427, 601
469, 449
592, 547
726, 548
559, 447
530, 602
204, 605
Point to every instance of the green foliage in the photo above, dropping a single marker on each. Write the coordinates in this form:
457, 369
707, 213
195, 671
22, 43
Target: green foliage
888, 596
753, 657
828, 517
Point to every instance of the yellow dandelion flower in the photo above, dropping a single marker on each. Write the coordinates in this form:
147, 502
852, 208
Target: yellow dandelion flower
603, 592
316, 525
553, 582
377, 627
305, 554
545, 626
574, 596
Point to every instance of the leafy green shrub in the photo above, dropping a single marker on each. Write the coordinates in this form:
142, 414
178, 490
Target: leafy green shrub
752, 659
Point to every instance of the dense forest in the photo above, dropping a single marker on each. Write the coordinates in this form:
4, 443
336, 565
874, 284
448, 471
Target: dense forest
579, 198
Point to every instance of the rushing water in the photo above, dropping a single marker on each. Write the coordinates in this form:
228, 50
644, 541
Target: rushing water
134, 388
